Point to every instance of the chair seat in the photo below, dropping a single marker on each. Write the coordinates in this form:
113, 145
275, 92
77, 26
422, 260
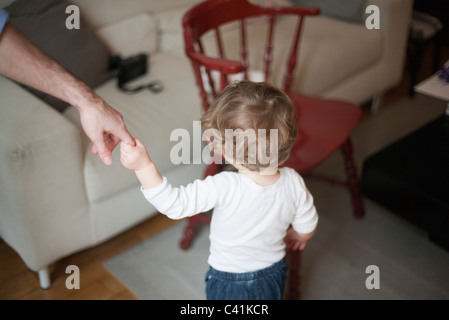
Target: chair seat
324, 125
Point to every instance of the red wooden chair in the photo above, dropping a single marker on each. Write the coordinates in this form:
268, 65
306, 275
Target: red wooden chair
324, 125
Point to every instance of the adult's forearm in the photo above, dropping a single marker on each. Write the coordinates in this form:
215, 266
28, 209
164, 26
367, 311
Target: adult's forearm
23, 62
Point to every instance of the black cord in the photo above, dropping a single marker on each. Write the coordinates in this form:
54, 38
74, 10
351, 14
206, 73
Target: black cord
155, 87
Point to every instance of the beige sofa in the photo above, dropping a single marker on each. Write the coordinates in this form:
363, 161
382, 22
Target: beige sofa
56, 198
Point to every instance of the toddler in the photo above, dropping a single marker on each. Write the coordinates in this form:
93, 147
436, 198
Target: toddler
258, 210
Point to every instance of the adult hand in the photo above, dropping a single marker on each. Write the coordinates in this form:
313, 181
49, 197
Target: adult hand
105, 128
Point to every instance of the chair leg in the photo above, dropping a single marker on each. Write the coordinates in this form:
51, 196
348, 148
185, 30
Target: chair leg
375, 103
352, 179
190, 230
292, 281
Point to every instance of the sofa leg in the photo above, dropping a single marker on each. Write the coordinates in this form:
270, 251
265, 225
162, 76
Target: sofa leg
375, 103
44, 278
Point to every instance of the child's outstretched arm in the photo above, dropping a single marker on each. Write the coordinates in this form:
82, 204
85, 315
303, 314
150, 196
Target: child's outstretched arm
136, 158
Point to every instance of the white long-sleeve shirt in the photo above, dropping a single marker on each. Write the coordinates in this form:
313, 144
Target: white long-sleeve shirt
249, 221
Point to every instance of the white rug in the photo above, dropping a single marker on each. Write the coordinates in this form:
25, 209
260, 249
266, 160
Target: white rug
158, 269
334, 262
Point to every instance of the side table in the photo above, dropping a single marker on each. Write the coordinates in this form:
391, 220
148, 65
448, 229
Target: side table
435, 87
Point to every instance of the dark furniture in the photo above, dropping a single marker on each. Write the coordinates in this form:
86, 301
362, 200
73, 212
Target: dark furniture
411, 178
437, 20
439, 9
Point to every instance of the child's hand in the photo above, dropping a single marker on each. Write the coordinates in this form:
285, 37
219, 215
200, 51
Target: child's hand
295, 241
134, 157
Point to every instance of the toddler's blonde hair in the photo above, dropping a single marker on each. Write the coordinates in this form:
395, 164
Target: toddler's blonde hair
248, 105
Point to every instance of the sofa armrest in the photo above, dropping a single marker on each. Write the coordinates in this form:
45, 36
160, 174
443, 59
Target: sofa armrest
42, 197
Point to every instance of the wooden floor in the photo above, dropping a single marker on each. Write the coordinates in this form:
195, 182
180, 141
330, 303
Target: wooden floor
96, 283
17, 282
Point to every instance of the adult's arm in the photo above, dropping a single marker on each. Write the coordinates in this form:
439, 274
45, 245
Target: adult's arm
23, 62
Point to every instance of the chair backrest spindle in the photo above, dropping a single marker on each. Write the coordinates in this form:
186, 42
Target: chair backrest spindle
269, 48
209, 79
291, 63
243, 48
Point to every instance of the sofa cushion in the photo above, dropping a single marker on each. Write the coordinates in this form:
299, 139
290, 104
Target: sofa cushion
149, 117
333, 51
352, 10
79, 50
100, 13
131, 36
170, 30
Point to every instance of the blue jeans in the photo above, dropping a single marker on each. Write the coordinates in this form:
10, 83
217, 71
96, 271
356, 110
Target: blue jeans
264, 284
